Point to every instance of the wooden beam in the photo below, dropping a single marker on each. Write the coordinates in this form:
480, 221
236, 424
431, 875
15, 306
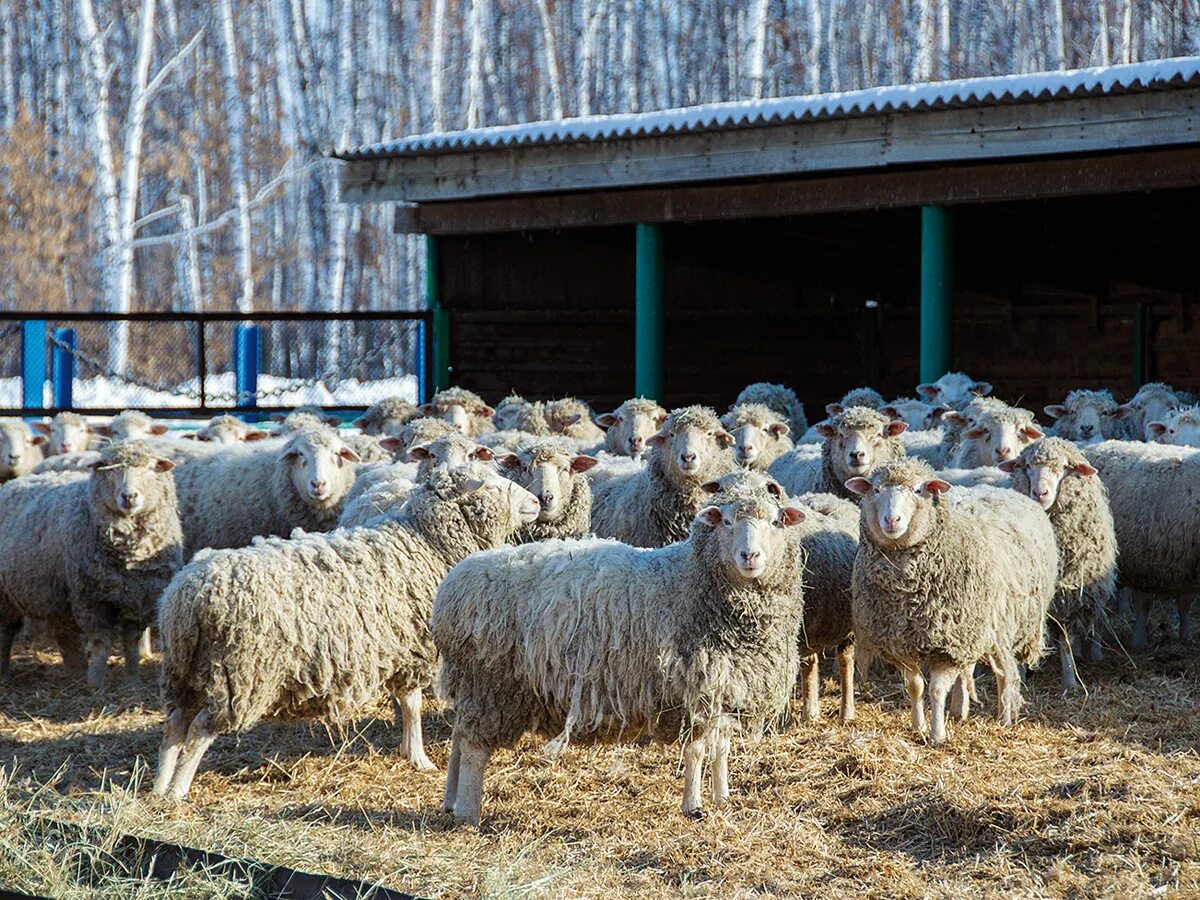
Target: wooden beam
1111, 173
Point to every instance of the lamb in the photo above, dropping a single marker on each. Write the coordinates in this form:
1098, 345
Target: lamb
552, 470
800, 469
68, 433
860, 396
20, 449
1152, 494
463, 409
1179, 428
948, 582
630, 425
226, 499
781, 399
1054, 474
318, 625
596, 641
1086, 416
760, 435
656, 505
90, 555
995, 435
131, 425
857, 441
227, 430
386, 417
954, 389
1152, 403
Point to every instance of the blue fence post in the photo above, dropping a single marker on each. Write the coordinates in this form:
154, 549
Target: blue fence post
33, 364
422, 396
62, 366
247, 350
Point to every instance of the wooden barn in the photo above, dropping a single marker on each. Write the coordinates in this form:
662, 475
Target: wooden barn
1033, 230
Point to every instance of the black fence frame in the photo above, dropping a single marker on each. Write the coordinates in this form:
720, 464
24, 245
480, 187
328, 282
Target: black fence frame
202, 409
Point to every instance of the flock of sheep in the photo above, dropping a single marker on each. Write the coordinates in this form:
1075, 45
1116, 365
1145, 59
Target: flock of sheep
644, 572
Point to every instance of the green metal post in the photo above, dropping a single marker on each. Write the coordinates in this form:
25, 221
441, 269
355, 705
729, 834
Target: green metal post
441, 319
1139, 345
937, 288
649, 313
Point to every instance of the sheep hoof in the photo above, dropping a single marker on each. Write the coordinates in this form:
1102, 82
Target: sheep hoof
696, 814
423, 764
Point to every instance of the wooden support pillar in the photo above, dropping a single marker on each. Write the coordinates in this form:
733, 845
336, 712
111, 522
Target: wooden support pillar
441, 318
937, 290
649, 313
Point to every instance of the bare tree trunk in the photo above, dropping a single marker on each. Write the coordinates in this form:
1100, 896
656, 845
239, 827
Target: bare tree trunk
1127, 33
550, 47
593, 15
926, 40
189, 281
758, 49
1105, 38
815, 38
437, 62
475, 103
1060, 33
944, 66
236, 119
629, 58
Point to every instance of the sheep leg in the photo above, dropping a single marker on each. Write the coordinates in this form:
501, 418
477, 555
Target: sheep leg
846, 675
864, 660
1095, 650
810, 681
693, 770
8, 633
941, 680
174, 732
468, 802
1184, 604
1070, 675
414, 740
960, 697
146, 645
1008, 690
97, 666
914, 686
452, 777
199, 739
133, 653
1142, 602
71, 649
720, 770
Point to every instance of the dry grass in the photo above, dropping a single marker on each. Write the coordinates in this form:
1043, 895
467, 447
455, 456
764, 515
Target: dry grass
1085, 797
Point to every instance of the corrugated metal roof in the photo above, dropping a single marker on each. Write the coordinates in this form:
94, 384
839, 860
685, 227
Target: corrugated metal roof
1145, 76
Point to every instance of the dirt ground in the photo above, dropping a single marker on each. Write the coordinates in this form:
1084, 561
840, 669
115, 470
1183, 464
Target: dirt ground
1095, 795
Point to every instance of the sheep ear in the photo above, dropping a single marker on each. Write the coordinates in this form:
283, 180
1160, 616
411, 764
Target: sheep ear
163, 465
657, 440
1009, 465
159, 429
102, 430
38, 439
833, 409
360, 423
255, 435
710, 515
953, 417
606, 420
510, 461
40, 427
826, 431
419, 451
279, 418
427, 409
727, 420
976, 433
711, 487
1087, 471
779, 430
483, 454
487, 412
290, 455
471, 485
894, 428
724, 438
392, 444
1032, 432
789, 516
573, 420
582, 463
1055, 410
935, 486
331, 420
890, 411
1158, 429
860, 486
661, 419
981, 388
349, 455
202, 437
774, 490
928, 391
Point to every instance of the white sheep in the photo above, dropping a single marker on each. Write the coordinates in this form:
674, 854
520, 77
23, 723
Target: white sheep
954, 389
800, 469
630, 425
917, 414
598, 641
552, 470
993, 436
130, 425
859, 396
760, 435
947, 581
1179, 428
1086, 416
780, 398
655, 505
228, 498
227, 430
463, 409
20, 449
68, 433
321, 624
857, 441
1152, 403
386, 417
90, 554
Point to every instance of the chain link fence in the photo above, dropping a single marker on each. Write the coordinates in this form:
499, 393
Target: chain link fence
199, 365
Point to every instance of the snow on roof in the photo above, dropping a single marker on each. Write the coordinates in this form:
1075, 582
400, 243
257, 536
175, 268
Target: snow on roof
991, 91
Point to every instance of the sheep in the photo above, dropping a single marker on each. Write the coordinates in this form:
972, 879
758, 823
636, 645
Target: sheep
778, 397
227, 430
995, 435
760, 435
552, 470
1152, 403
68, 433
857, 441
575, 419
954, 389
463, 409
860, 396
386, 417
20, 449
595, 640
656, 504
1179, 428
1151, 491
301, 419
949, 581
369, 447
67, 462
515, 413
917, 414
800, 469
320, 624
1086, 416
956, 422
630, 425
131, 425
90, 554
226, 499
1055, 475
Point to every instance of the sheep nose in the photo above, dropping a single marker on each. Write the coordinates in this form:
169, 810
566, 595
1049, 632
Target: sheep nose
892, 522
751, 556
687, 458
1004, 452
1087, 430
858, 457
318, 485
636, 443
129, 497
546, 500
